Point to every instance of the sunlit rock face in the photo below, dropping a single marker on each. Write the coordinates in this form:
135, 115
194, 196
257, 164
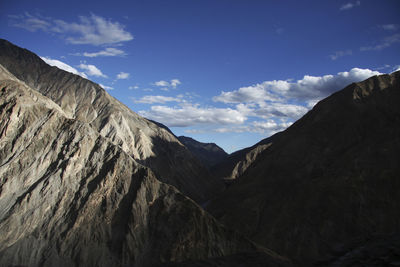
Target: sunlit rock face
85, 101
70, 196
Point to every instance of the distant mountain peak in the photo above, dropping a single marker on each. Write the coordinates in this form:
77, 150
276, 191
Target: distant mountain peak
209, 154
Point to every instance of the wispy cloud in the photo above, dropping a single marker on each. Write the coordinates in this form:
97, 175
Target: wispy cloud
152, 99
350, 5
192, 114
263, 127
92, 70
30, 23
106, 87
165, 84
161, 83
385, 43
108, 52
390, 27
122, 76
175, 82
339, 54
61, 65
93, 29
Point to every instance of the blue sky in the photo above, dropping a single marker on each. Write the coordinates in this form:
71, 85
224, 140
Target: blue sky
230, 72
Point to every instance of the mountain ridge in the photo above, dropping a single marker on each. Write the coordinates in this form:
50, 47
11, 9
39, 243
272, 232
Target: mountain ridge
71, 197
329, 178
209, 154
149, 144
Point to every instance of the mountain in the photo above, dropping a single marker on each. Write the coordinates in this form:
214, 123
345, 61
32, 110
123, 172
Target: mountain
83, 100
70, 196
330, 178
208, 153
236, 163
376, 251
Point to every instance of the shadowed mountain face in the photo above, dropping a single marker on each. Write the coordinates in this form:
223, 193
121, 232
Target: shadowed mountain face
208, 153
83, 100
70, 196
235, 164
331, 178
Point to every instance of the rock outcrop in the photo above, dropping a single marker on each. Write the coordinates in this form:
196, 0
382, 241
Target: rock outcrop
330, 178
70, 196
145, 141
209, 154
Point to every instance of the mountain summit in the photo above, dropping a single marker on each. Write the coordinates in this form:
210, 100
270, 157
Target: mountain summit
74, 191
83, 100
328, 180
208, 153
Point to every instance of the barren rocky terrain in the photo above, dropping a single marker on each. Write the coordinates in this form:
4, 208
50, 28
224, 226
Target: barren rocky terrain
84, 181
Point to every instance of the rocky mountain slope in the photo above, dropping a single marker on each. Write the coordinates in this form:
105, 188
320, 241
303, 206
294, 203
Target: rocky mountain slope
331, 178
208, 153
236, 163
83, 100
70, 196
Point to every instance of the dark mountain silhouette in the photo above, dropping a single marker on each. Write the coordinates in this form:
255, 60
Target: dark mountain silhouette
330, 178
208, 153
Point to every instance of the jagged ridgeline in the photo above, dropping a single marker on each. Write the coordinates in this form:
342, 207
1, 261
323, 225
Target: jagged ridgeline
327, 188
84, 181
83, 100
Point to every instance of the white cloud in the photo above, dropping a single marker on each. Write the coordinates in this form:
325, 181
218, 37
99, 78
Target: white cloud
106, 87
29, 22
93, 29
280, 110
133, 87
175, 82
172, 83
151, 99
122, 76
255, 93
268, 127
188, 114
350, 5
308, 88
385, 43
264, 108
61, 65
92, 70
108, 52
338, 54
161, 83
